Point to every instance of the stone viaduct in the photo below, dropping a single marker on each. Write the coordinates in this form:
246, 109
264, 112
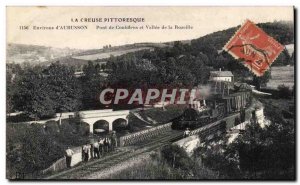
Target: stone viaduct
99, 120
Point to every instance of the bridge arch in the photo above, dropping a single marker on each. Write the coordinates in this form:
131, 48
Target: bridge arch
103, 119
101, 126
83, 128
119, 124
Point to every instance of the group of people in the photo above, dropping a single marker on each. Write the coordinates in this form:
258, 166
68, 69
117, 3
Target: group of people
94, 150
98, 148
101, 146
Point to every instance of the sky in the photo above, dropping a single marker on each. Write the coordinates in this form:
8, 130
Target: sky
204, 20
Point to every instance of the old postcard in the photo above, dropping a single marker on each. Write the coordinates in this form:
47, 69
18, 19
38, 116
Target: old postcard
150, 93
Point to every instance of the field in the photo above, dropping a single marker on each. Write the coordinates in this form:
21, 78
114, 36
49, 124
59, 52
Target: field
110, 53
281, 75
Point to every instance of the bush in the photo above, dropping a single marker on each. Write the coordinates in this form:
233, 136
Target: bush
147, 170
51, 127
30, 148
157, 167
284, 92
34, 147
177, 157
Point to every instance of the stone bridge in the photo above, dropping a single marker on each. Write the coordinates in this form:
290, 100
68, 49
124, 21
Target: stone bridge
101, 120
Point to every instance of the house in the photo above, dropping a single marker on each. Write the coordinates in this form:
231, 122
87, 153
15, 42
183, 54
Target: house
220, 75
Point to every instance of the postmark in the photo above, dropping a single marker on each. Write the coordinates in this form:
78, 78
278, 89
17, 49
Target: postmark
254, 48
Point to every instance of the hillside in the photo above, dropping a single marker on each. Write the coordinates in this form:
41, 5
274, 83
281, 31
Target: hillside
283, 32
109, 48
34, 54
210, 45
100, 55
107, 54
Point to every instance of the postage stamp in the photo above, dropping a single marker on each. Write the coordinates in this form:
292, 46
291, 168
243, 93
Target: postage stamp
254, 47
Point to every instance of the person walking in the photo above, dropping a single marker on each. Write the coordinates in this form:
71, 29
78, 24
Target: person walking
96, 150
69, 154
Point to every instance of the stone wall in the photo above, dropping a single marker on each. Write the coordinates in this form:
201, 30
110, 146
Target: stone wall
144, 134
189, 144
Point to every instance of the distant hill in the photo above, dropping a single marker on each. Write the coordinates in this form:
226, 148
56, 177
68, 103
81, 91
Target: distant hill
208, 44
122, 47
212, 44
99, 55
283, 32
34, 54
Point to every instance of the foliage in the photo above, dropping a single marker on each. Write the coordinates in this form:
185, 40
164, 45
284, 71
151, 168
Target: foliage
177, 157
147, 170
189, 64
160, 166
33, 94
42, 92
164, 66
30, 148
92, 82
66, 87
284, 91
35, 147
261, 81
256, 154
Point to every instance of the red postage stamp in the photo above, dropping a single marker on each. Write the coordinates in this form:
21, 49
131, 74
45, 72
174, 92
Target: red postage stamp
254, 47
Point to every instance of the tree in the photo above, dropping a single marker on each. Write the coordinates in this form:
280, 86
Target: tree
177, 157
13, 73
33, 95
263, 80
43, 92
66, 88
283, 59
103, 66
92, 83
284, 91
258, 153
199, 70
10, 88
204, 58
30, 148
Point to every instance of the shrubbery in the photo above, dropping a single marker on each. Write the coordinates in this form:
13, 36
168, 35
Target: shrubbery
34, 147
177, 157
256, 154
171, 162
284, 92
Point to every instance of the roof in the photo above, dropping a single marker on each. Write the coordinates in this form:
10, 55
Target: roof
221, 73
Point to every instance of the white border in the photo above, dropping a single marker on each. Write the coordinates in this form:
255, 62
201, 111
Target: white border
5, 3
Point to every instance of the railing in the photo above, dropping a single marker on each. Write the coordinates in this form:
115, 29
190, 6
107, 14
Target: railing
144, 134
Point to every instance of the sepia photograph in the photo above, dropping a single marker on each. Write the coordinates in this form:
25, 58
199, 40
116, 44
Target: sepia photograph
150, 93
